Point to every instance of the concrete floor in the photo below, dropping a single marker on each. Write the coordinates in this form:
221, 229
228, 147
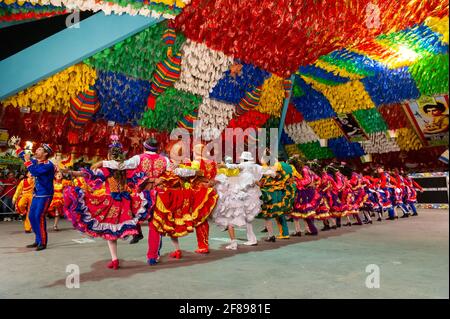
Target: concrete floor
412, 255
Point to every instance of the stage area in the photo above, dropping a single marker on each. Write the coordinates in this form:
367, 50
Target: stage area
412, 255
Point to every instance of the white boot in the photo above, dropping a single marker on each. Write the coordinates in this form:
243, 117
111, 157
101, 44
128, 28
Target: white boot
232, 246
251, 238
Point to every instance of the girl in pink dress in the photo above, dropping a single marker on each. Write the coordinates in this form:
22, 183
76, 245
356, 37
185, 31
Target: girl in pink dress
106, 208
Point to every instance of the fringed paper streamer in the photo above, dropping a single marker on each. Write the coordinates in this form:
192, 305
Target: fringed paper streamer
232, 88
187, 122
382, 52
379, 143
292, 150
82, 108
285, 139
168, 9
440, 26
272, 96
301, 133
249, 102
313, 150
408, 140
343, 149
326, 128
122, 98
321, 75
370, 120
252, 119
312, 105
138, 55
292, 115
430, 74
167, 72
201, 68
353, 62
214, 116
391, 86
419, 38
336, 70
171, 107
54, 93
394, 116
345, 98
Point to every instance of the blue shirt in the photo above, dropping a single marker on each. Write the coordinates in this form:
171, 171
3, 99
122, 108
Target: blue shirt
44, 173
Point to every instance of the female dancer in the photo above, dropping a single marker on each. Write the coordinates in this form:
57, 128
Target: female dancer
323, 211
278, 194
55, 209
110, 214
239, 198
22, 199
306, 199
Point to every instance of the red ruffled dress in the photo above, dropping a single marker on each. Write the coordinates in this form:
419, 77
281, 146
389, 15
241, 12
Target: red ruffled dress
110, 214
184, 204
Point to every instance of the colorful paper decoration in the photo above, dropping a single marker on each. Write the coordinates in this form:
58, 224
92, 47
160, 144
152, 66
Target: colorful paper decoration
233, 88
54, 93
344, 98
249, 101
313, 105
138, 55
83, 107
122, 98
313, 150
430, 74
214, 116
370, 120
343, 149
379, 143
408, 140
171, 107
326, 128
201, 68
394, 116
301, 133
272, 96
391, 86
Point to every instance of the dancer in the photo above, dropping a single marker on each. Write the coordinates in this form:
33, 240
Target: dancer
323, 211
57, 203
144, 170
186, 198
22, 199
411, 193
246, 203
386, 192
306, 199
111, 215
278, 194
43, 171
358, 198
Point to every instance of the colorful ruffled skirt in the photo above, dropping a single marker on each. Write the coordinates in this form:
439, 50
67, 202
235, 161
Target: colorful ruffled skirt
56, 204
306, 202
323, 206
109, 216
277, 202
178, 211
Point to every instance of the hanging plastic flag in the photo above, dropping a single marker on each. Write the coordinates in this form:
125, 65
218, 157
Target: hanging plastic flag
82, 109
249, 102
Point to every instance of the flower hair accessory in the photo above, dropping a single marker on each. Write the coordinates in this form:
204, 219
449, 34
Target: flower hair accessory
115, 142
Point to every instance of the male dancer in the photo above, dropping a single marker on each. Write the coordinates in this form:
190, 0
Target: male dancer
43, 171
